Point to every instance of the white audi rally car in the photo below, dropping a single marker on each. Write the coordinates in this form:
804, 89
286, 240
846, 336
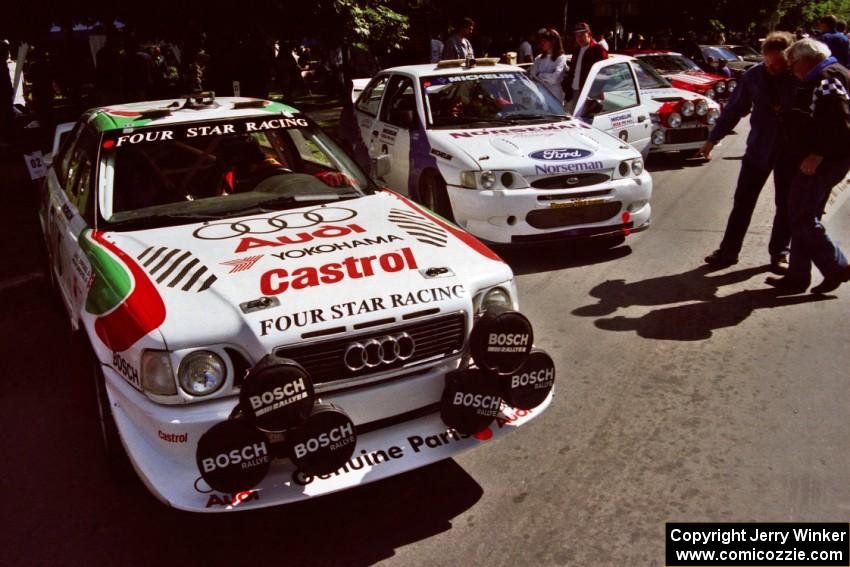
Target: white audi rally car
266, 324
487, 147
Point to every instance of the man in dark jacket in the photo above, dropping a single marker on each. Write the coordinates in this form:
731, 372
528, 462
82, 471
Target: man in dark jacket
586, 53
765, 90
825, 143
457, 45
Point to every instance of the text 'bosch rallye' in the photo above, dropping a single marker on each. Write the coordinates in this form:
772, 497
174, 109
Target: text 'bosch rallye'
266, 325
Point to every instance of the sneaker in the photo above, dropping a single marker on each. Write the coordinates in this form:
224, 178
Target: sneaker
831, 283
779, 264
788, 285
720, 259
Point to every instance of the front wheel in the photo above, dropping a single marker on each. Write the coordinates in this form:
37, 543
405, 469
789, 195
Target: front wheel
433, 194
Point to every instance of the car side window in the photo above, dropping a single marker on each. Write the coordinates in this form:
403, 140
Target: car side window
80, 180
400, 99
614, 86
370, 100
66, 153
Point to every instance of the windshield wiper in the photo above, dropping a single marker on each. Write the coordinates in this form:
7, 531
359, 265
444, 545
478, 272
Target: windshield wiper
541, 116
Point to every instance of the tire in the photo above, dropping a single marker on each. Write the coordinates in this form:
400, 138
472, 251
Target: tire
433, 194
113, 449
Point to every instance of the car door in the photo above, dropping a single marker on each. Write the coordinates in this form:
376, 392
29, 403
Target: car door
611, 100
391, 131
73, 210
366, 113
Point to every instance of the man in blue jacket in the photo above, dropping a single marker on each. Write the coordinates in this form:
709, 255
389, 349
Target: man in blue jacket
837, 42
765, 90
823, 139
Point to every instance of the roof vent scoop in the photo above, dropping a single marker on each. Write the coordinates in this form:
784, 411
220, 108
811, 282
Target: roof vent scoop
199, 99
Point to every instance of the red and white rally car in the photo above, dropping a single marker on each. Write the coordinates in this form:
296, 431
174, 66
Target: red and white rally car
681, 120
684, 74
264, 323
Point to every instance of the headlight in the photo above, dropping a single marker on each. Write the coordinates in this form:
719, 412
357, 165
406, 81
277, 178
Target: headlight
624, 168
658, 137
637, 167
731, 85
702, 107
688, 108
202, 373
710, 93
674, 120
496, 297
713, 114
488, 179
157, 374
467, 179
720, 87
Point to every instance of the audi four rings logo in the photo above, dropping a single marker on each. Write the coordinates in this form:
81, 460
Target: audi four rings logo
269, 225
378, 352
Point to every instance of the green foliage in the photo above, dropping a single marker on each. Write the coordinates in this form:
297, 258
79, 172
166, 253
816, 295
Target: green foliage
363, 23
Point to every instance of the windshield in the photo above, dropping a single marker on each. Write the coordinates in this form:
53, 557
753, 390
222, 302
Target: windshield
670, 63
163, 175
719, 53
648, 77
452, 100
744, 51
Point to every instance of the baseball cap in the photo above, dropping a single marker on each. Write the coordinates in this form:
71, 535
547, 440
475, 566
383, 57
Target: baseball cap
581, 27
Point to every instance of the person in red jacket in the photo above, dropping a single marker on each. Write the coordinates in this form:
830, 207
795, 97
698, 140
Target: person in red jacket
586, 53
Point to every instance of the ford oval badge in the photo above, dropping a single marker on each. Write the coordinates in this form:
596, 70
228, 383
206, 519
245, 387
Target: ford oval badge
560, 154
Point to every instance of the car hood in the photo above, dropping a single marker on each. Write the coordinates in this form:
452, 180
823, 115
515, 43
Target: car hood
658, 97
692, 80
522, 148
319, 268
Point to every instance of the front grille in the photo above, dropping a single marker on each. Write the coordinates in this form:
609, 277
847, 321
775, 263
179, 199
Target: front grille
570, 181
570, 216
686, 135
435, 338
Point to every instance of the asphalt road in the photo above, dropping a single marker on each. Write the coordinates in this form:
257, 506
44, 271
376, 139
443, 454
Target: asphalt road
682, 395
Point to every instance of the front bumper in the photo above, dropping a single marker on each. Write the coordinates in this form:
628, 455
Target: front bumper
502, 216
161, 442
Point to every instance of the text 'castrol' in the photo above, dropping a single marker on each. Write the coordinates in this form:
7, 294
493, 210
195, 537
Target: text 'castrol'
277, 281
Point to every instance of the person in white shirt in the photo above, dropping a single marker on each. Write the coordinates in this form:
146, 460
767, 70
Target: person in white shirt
549, 67
525, 53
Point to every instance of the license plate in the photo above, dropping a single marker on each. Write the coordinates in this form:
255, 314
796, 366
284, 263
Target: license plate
576, 203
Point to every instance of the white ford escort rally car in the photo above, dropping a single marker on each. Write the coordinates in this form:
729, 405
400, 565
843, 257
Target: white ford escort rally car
487, 147
265, 323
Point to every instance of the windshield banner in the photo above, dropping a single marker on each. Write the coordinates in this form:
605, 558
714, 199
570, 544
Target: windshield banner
188, 131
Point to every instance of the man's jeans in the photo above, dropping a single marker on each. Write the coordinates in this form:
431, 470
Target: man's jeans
751, 180
810, 243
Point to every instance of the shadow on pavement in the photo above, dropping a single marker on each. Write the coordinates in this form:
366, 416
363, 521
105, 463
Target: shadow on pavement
671, 162
690, 322
558, 256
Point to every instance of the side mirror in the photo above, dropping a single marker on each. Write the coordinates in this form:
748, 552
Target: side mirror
592, 107
381, 166
402, 118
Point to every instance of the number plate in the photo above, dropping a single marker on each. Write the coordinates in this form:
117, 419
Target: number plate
576, 203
